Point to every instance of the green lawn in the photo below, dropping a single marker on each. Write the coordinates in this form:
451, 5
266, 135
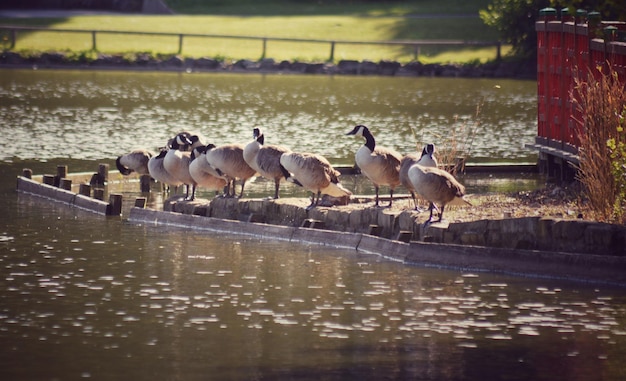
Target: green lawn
326, 7
361, 22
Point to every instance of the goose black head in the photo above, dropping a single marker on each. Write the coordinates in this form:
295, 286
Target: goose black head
194, 140
209, 147
120, 167
358, 130
184, 139
258, 135
197, 152
174, 144
429, 149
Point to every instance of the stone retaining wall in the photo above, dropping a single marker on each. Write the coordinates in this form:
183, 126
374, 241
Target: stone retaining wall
579, 267
527, 233
380, 231
145, 61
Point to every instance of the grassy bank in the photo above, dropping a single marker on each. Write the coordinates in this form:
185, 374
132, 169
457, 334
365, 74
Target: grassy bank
359, 22
326, 7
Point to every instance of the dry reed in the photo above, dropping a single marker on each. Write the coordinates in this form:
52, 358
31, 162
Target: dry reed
601, 100
455, 147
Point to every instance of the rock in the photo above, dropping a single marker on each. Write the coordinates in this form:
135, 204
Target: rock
267, 64
346, 67
174, 61
388, 67
206, 63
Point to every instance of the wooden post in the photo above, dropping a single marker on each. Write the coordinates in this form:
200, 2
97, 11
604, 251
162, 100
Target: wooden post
93, 40
263, 54
375, 230
144, 183
62, 171
98, 194
13, 39
332, 51
61, 174
404, 236
103, 171
416, 52
65, 184
140, 202
28, 173
48, 180
103, 174
115, 204
180, 43
499, 51
84, 189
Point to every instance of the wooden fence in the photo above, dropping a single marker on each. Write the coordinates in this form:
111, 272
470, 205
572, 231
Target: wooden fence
570, 46
415, 45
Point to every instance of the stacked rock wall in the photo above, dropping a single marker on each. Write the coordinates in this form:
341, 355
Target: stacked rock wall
527, 233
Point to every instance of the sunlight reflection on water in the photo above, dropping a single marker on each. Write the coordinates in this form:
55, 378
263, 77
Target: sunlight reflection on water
95, 115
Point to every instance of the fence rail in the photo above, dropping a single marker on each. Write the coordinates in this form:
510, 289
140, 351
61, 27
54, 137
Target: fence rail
414, 44
570, 47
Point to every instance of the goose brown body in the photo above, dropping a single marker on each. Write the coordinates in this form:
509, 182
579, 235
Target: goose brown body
202, 173
437, 186
313, 172
176, 163
265, 159
228, 162
134, 161
379, 164
426, 159
158, 172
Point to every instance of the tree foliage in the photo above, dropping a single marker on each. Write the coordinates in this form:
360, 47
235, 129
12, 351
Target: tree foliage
515, 22
515, 19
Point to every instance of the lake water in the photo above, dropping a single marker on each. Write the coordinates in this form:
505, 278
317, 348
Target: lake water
83, 296
95, 115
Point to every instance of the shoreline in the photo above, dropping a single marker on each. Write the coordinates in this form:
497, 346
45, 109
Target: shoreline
536, 246
176, 63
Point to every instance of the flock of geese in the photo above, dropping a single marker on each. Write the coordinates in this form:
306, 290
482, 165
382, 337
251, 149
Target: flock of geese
187, 159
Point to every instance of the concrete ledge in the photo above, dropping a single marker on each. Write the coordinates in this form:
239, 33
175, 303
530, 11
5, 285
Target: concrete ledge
535, 263
33, 187
576, 267
395, 250
326, 237
149, 216
526, 246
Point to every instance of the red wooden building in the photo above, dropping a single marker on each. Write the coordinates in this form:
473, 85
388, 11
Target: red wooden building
569, 46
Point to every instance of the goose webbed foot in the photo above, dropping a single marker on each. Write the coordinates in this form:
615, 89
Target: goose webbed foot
314, 201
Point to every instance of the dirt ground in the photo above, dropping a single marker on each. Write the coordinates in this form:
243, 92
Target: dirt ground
550, 201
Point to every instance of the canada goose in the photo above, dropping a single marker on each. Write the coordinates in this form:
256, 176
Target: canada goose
381, 165
176, 163
265, 158
426, 160
228, 162
193, 139
314, 173
157, 170
134, 161
202, 173
437, 186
